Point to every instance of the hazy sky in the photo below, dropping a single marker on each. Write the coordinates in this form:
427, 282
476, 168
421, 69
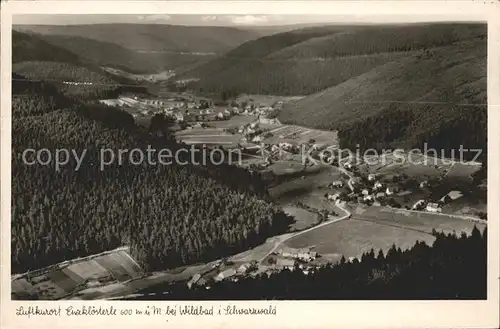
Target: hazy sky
223, 20
207, 20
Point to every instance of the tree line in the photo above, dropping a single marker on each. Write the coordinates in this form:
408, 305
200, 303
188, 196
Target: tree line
454, 267
444, 130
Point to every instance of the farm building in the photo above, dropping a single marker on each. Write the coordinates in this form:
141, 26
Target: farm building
433, 207
306, 254
244, 268
453, 195
179, 117
333, 197
378, 185
380, 195
285, 263
424, 184
225, 274
390, 191
257, 139
66, 278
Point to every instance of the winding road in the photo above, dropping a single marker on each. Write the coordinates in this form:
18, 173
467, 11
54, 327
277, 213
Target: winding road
278, 244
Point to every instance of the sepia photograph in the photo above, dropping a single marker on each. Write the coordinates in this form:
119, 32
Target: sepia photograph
247, 157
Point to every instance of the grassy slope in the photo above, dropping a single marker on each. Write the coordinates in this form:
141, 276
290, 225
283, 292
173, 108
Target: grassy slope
453, 73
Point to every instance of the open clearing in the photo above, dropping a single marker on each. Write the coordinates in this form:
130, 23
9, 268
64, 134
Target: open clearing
462, 171
207, 136
266, 100
352, 238
234, 122
65, 278
296, 185
389, 165
303, 218
379, 228
299, 135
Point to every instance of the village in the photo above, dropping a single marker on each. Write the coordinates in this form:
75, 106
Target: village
302, 259
251, 126
272, 147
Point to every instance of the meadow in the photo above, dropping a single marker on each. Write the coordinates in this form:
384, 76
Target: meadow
380, 228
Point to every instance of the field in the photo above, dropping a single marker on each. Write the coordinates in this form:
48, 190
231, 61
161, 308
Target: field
155, 77
298, 135
266, 100
295, 185
379, 228
389, 165
303, 218
66, 278
234, 122
462, 171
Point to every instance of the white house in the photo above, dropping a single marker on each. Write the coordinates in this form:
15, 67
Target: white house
389, 191
225, 274
371, 177
365, 192
453, 195
333, 197
285, 263
348, 165
368, 198
418, 204
424, 184
179, 117
433, 207
275, 148
243, 268
257, 139
338, 183
285, 146
289, 252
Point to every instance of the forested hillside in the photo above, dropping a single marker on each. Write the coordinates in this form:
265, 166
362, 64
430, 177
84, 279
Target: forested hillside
169, 215
453, 74
34, 58
28, 48
453, 268
308, 60
110, 54
436, 97
154, 37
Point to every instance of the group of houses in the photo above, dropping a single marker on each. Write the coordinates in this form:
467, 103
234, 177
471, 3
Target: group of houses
73, 83
230, 273
305, 254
